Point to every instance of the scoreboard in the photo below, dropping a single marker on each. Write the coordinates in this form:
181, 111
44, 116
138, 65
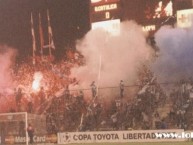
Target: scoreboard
105, 14
151, 14
105, 10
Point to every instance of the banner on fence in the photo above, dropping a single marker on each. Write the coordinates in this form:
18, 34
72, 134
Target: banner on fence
12, 139
116, 136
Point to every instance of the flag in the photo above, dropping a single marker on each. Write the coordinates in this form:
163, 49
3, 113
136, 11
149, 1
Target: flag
41, 34
33, 39
33, 33
50, 34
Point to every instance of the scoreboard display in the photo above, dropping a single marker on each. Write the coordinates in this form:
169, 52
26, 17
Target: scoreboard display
157, 9
103, 10
111, 26
105, 14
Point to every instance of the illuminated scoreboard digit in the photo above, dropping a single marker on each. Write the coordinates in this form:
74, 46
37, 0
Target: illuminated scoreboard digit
102, 10
155, 13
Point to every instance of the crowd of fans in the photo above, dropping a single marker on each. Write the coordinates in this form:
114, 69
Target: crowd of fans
69, 111
142, 112
55, 76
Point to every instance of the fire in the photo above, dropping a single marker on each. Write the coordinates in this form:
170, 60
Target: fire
37, 81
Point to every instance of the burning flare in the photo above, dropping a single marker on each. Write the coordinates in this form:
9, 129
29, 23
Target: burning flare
37, 80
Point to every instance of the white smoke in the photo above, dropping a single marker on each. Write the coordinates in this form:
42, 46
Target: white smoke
176, 52
7, 57
110, 59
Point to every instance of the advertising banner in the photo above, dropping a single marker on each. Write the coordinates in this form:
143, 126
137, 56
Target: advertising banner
52, 138
116, 136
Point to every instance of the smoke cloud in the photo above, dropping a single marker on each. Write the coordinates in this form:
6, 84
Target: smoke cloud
7, 56
110, 59
176, 52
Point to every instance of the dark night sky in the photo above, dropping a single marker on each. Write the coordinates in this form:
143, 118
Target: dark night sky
66, 16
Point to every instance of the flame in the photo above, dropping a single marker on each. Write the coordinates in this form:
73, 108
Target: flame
169, 9
37, 81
